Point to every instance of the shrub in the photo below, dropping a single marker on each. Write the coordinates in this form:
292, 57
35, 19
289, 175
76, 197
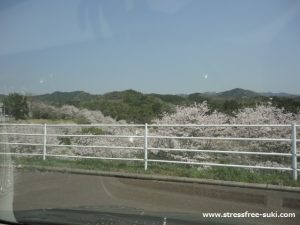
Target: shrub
92, 130
64, 140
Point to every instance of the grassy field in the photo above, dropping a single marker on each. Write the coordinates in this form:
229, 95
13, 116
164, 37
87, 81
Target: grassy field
215, 173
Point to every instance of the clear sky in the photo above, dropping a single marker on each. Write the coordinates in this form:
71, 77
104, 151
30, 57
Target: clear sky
162, 46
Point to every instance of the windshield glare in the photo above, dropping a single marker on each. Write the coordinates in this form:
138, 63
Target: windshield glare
149, 112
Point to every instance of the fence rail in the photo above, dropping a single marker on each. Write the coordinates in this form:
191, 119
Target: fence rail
146, 149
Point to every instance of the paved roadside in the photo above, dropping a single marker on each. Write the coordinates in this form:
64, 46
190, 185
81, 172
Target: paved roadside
163, 178
37, 190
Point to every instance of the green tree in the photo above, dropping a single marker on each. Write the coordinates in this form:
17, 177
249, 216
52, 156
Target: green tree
231, 106
16, 105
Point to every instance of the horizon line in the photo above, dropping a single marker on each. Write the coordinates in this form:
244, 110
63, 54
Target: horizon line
103, 93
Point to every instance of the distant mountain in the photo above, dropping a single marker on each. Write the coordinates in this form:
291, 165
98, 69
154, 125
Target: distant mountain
243, 93
122, 95
238, 92
137, 107
210, 93
64, 97
84, 99
280, 94
129, 105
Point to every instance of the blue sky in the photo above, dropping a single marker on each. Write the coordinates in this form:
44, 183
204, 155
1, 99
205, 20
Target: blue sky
162, 46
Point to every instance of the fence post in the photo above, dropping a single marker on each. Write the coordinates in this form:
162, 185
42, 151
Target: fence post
45, 142
146, 146
294, 151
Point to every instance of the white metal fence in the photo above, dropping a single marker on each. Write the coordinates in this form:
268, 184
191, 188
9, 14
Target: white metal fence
292, 141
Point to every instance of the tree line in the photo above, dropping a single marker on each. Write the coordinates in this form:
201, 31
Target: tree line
136, 107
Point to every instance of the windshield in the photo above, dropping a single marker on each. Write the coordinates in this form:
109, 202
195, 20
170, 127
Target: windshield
149, 112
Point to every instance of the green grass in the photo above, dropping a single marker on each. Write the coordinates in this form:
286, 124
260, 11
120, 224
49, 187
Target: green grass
216, 173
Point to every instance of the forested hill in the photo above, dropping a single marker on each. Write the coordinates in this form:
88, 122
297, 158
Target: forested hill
134, 106
64, 97
78, 96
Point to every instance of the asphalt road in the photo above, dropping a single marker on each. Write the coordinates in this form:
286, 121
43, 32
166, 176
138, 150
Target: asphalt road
43, 190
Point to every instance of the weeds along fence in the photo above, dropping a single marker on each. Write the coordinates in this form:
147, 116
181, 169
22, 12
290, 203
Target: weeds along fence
189, 144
